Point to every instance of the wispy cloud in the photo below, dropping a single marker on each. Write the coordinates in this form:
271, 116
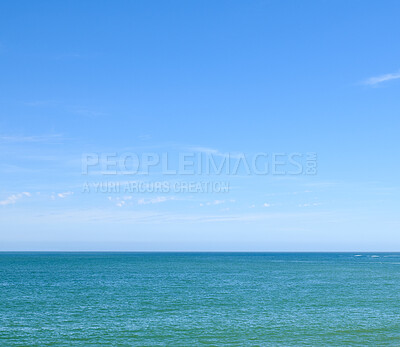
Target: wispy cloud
9, 168
64, 195
382, 78
86, 112
120, 201
156, 200
217, 202
310, 204
144, 137
30, 139
40, 103
215, 152
12, 199
129, 216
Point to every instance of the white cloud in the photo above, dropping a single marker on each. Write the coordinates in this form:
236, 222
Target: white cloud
382, 78
156, 200
12, 199
309, 204
266, 205
64, 195
216, 202
120, 201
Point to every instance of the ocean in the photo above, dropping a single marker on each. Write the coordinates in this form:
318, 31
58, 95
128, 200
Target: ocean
194, 299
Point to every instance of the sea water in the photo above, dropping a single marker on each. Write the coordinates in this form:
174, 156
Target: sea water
190, 299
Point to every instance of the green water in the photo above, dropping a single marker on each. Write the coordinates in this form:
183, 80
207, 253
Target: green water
182, 299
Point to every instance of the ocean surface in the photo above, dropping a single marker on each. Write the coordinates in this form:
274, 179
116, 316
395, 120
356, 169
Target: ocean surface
191, 299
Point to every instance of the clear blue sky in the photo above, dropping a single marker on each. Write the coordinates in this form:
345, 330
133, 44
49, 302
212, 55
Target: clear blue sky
205, 76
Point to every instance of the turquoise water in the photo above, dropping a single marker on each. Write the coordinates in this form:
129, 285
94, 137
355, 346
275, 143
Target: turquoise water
180, 299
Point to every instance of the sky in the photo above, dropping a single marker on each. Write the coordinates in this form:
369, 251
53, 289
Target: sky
89, 88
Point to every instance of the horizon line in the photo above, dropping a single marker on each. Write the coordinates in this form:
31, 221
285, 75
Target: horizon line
144, 251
